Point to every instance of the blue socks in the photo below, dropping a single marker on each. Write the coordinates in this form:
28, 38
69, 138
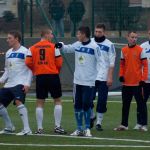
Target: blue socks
79, 118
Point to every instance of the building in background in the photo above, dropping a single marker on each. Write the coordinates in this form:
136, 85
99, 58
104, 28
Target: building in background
9, 5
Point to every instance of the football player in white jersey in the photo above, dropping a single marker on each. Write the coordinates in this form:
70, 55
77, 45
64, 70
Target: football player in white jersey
86, 57
17, 78
104, 77
146, 86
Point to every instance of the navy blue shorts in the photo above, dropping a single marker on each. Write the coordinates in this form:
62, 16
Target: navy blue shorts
83, 97
7, 95
48, 83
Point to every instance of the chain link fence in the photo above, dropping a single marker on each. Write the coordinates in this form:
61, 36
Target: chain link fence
118, 15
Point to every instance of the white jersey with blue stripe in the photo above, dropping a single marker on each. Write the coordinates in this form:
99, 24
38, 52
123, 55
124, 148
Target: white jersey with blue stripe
146, 50
16, 71
106, 59
86, 57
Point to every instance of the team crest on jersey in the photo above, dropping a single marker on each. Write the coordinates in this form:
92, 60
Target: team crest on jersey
81, 59
10, 64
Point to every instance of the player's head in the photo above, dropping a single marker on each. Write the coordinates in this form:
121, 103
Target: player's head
83, 33
99, 30
132, 38
13, 38
47, 34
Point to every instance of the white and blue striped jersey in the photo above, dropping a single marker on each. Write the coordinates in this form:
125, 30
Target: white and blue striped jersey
106, 59
146, 50
16, 72
86, 57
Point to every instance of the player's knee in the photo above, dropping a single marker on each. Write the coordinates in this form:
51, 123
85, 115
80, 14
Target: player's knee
101, 108
86, 106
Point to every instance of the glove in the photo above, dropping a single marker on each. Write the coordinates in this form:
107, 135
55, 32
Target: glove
141, 83
121, 79
58, 45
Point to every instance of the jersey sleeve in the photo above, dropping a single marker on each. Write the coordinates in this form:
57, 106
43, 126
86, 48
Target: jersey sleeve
70, 48
28, 78
112, 55
145, 66
4, 77
58, 59
122, 64
29, 59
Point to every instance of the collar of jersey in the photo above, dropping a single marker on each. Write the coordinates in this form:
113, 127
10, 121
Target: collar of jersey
16, 49
87, 42
131, 46
99, 39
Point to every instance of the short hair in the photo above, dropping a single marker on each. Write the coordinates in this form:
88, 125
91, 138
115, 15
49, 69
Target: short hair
131, 31
44, 32
101, 26
15, 34
85, 30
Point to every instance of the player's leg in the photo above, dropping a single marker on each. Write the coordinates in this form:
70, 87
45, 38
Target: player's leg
93, 116
5, 99
39, 115
19, 100
146, 94
87, 92
102, 89
127, 94
77, 98
56, 93
41, 95
141, 108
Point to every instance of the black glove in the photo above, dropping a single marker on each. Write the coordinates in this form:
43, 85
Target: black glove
121, 79
58, 45
141, 83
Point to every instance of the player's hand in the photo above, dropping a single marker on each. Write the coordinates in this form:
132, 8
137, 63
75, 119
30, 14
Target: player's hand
25, 88
141, 83
109, 83
59, 45
121, 79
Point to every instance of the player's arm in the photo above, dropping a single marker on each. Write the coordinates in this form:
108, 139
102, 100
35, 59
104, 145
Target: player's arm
29, 75
122, 67
28, 81
112, 56
70, 48
144, 62
29, 60
4, 77
58, 59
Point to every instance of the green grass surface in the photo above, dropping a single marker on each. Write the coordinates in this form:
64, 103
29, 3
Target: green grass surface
103, 139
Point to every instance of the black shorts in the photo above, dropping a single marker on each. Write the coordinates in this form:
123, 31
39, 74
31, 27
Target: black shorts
48, 83
11, 94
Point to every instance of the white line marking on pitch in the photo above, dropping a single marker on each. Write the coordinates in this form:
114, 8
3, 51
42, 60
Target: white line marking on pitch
69, 145
91, 138
31, 100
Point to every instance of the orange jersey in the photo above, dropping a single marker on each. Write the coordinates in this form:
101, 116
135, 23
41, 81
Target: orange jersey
43, 58
133, 65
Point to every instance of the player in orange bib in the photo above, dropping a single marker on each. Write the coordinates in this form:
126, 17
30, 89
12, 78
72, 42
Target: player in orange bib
45, 61
133, 74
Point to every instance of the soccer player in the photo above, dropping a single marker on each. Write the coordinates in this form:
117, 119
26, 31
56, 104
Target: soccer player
86, 57
17, 78
133, 73
104, 77
146, 86
45, 61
